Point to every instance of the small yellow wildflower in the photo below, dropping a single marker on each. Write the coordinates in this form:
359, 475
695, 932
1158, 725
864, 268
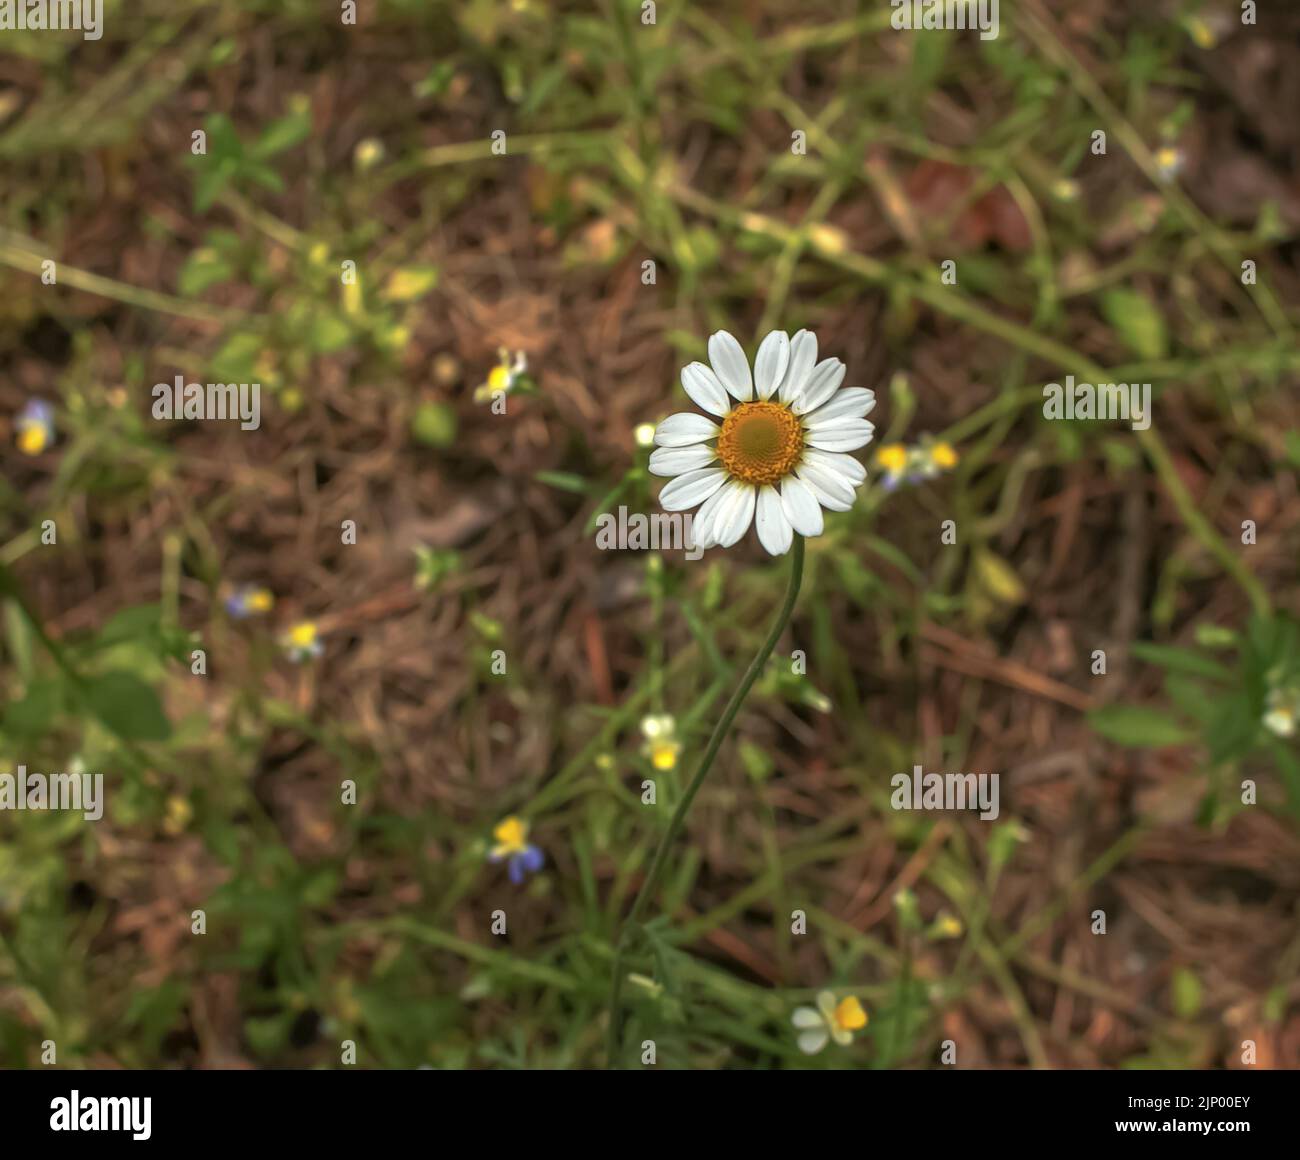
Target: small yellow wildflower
512, 846
302, 642
1205, 33
892, 459
249, 600
367, 154
179, 814
944, 456
35, 427
661, 745
1169, 161
502, 378
828, 1020
945, 925
1065, 189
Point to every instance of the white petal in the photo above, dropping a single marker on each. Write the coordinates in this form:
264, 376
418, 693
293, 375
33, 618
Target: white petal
841, 435
679, 460
739, 514
844, 465
831, 491
853, 403
822, 384
803, 355
801, 507
774, 531
702, 525
812, 1041
683, 429
731, 366
694, 487
770, 363
805, 1017
702, 385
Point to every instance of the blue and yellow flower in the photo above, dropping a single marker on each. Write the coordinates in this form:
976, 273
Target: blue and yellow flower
302, 642
891, 459
828, 1020
249, 600
35, 427
512, 846
928, 459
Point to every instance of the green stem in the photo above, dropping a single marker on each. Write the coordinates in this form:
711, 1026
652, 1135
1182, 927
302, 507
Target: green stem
720, 731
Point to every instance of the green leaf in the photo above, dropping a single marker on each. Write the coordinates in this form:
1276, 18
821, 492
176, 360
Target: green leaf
1180, 660
434, 424
205, 267
564, 480
264, 176
127, 706
1233, 728
140, 622
283, 134
18, 638
1137, 726
998, 578
207, 188
410, 284
1191, 697
328, 333
1185, 989
223, 141
236, 361
1138, 322
35, 713
1289, 765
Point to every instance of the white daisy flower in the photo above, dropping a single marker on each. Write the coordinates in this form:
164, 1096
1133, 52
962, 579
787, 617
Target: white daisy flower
776, 456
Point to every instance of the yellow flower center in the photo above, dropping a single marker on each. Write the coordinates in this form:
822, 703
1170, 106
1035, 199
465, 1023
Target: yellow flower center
892, 457
31, 440
849, 1015
260, 600
499, 379
943, 455
663, 755
511, 835
303, 635
760, 442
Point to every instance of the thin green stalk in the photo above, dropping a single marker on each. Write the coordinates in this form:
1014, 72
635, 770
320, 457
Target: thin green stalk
720, 731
